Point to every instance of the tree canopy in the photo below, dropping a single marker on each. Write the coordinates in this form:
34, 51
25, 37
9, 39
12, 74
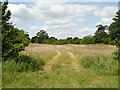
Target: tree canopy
114, 29
13, 39
40, 37
88, 40
100, 34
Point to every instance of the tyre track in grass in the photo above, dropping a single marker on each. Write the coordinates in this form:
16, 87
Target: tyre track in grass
52, 62
75, 64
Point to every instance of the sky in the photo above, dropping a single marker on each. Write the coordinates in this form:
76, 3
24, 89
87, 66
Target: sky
63, 18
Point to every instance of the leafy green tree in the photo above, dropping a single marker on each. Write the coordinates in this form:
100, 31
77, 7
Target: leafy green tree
13, 39
88, 40
76, 40
69, 40
114, 29
114, 32
42, 35
22, 37
61, 42
100, 34
34, 39
107, 40
51, 40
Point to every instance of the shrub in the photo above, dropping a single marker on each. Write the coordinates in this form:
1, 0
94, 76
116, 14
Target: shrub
61, 42
23, 63
88, 40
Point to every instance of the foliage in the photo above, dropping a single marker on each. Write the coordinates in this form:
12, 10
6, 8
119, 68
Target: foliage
69, 40
43, 38
22, 63
117, 54
51, 40
61, 42
88, 40
76, 40
40, 37
107, 41
100, 34
114, 31
13, 39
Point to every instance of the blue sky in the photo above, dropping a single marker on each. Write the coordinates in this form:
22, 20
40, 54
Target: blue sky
62, 19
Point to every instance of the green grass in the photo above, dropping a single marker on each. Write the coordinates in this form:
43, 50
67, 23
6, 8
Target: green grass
62, 77
104, 66
22, 63
101, 63
91, 67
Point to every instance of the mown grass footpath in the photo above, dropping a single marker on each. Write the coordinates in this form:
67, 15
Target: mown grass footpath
68, 66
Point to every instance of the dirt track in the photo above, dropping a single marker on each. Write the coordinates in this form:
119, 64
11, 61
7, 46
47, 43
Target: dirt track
49, 65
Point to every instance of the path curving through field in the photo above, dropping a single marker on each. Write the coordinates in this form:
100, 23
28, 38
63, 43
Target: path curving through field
50, 64
75, 64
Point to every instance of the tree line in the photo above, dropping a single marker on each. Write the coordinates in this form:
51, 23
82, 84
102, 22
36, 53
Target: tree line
43, 38
101, 36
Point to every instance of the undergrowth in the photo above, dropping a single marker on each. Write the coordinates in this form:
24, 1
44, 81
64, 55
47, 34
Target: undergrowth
22, 63
102, 64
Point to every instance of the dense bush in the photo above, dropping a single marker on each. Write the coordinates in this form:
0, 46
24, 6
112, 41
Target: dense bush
51, 40
61, 42
22, 63
76, 40
88, 40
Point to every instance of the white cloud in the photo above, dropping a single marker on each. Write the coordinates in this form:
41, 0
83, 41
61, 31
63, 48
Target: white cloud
105, 21
20, 13
81, 20
87, 30
92, 0
47, 11
65, 0
58, 17
57, 21
106, 14
33, 30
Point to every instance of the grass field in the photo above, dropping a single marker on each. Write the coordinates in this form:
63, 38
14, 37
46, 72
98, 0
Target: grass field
67, 66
